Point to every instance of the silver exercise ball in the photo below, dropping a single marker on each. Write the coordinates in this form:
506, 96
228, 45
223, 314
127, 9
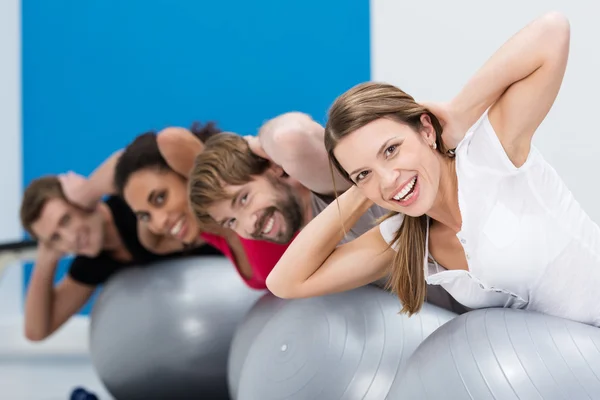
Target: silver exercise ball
349, 345
504, 354
164, 331
252, 326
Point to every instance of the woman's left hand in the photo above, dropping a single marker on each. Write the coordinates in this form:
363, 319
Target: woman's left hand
454, 128
77, 190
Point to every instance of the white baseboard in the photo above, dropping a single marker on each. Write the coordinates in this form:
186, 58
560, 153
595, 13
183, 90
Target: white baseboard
71, 339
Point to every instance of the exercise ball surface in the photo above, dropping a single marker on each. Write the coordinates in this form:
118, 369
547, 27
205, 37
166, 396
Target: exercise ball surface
252, 325
349, 345
164, 331
504, 354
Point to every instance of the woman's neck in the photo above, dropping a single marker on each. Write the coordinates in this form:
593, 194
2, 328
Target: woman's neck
445, 208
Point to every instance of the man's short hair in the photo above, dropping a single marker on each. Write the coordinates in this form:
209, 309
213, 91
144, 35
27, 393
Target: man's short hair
226, 160
37, 194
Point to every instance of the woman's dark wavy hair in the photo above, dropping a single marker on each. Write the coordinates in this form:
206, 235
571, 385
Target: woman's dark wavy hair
143, 153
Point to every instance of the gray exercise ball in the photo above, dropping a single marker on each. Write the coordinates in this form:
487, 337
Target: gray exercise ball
252, 325
504, 354
164, 331
343, 346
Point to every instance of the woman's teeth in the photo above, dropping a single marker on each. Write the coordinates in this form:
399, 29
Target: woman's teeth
406, 192
177, 227
269, 226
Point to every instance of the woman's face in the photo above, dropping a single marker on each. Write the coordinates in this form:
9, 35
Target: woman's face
159, 200
394, 166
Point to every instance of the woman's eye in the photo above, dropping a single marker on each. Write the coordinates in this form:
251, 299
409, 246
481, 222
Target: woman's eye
230, 223
144, 218
390, 150
160, 199
244, 199
361, 176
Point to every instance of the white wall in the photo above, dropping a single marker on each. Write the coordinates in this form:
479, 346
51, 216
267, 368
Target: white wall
72, 338
11, 282
430, 48
10, 119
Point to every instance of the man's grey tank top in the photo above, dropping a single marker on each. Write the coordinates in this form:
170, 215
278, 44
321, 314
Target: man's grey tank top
367, 221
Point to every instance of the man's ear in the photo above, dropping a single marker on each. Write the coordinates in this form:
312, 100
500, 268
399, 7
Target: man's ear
277, 170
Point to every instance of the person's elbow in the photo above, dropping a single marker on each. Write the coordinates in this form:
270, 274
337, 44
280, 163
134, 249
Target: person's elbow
280, 288
35, 335
171, 137
557, 21
289, 131
288, 139
557, 29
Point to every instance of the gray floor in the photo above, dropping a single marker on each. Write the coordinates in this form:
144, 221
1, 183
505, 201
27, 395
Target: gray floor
48, 370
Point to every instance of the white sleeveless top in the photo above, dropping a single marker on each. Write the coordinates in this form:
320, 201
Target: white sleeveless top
527, 241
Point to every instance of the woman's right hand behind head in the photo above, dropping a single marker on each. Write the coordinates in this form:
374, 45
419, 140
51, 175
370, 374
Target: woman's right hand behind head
454, 126
77, 190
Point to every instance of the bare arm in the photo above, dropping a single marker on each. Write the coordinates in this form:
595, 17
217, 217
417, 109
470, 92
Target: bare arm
88, 192
313, 265
524, 74
524, 105
294, 141
101, 180
48, 307
179, 147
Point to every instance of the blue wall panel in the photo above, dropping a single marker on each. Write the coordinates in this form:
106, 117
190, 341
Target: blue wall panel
97, 73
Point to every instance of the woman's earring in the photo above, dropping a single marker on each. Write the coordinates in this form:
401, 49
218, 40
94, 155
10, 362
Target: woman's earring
434, 146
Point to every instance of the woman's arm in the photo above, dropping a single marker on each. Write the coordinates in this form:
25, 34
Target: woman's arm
523, 106
101, 180
179, 147
521, 79
88, 192
314, 266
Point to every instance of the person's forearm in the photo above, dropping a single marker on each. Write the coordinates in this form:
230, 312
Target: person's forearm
520, 56
317, 241
101, 180
40, 298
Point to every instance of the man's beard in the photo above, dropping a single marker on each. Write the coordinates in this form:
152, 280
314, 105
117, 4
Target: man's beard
290, 209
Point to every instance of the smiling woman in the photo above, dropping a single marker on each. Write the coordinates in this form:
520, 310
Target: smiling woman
495, 225
156, 193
